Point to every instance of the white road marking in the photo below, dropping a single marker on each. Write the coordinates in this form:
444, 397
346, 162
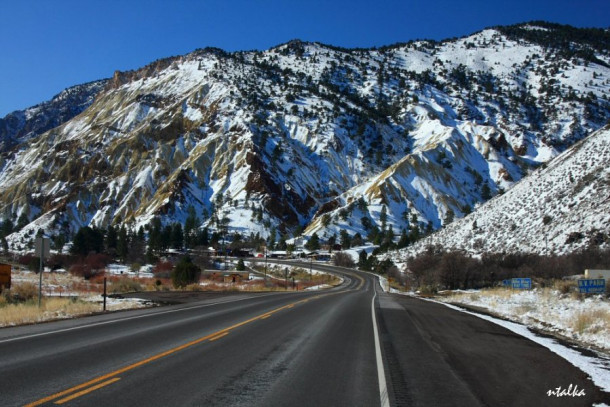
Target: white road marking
123, 319
383, 387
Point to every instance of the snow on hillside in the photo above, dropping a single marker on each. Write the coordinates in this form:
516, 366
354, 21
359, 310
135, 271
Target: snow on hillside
309, 136
557, 209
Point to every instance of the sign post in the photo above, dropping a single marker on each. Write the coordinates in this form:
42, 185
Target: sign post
43, 251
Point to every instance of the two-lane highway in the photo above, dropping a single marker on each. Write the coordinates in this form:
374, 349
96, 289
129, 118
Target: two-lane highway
353, 345
297, 348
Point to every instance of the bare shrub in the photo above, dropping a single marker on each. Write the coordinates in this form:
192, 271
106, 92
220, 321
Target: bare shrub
163, 269
343, 260
90, 265
124, 285
30, 261
564, 287
24, 291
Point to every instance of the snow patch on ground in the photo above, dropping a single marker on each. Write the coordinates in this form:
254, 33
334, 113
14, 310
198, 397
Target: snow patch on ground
596, 367
584, 320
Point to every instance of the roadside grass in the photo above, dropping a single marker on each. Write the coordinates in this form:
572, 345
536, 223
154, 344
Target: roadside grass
592, 322
28, 312
67, 296
556, 308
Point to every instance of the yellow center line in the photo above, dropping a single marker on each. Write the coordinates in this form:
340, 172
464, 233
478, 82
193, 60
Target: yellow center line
212, 339
86, 391
215, 335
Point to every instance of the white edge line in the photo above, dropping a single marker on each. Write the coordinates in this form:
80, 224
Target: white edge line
18, 338
383, 387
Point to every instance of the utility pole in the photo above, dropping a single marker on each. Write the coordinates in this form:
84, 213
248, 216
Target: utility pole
42, 251
286, 277
310, 268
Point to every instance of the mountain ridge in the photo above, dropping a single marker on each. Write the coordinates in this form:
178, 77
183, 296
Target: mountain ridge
292, 137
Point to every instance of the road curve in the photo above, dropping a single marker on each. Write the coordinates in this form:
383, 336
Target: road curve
296, 348
285, 349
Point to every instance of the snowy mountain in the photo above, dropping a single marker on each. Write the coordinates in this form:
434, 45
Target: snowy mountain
307, 136
558, 209
20, 126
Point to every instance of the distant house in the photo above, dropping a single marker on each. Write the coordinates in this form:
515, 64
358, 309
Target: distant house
277, 254
236, 277
245, 252
226, 276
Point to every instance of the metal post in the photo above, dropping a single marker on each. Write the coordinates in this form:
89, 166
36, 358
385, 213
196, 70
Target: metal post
104, 294
40, 282
310, 271
42, 250
265, 263
286, 277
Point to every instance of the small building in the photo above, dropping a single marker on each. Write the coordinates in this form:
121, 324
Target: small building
597, 274
277, 254
236, 277
225, 276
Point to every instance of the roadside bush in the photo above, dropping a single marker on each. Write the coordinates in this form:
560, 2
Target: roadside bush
24, 292
163, 269
343, 260
457, 270
30, 261
185, 273
89, 266
564, 287
124, 285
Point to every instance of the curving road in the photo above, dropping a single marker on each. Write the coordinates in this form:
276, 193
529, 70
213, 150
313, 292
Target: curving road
283, 349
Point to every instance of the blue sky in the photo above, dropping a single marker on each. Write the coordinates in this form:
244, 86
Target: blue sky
48, 45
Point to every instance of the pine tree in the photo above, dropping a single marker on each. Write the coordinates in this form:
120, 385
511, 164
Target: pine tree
191, 225
313, 243
122, 245
111, 239
362, 260
154, 236
185, 272
177, 237
383, 217
403, 241
449, 216
345, 239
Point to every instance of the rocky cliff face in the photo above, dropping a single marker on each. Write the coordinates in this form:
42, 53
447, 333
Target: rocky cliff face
560, 208
20, 126
301, 135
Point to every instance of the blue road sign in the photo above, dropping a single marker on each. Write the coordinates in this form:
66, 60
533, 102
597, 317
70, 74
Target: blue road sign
522, 283
592, 286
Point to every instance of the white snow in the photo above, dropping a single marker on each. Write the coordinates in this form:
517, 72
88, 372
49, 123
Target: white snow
596, 367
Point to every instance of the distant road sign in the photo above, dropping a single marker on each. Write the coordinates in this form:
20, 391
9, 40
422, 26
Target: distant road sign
592, 286
522, 283
43, 247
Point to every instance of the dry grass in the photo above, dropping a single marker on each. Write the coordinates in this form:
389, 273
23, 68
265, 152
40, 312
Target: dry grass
565, 286
124, 285
51, 308
591, 321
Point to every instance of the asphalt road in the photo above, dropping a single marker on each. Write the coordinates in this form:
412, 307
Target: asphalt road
282, 349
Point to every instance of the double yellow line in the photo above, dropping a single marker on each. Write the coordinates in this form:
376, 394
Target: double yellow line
110, 378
